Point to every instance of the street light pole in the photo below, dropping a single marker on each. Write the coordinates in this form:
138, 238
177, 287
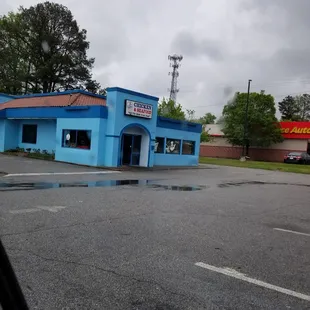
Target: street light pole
245, 129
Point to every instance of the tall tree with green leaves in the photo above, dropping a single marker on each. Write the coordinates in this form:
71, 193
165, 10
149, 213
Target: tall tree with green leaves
43, 49
13, 66
289, 109
94, 87
208, 118
170, 109
303, 103
263, 128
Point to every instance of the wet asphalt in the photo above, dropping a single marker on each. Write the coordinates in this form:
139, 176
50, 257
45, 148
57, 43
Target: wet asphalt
131, 240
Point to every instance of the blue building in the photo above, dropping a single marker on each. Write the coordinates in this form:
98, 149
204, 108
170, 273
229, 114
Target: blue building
119, 129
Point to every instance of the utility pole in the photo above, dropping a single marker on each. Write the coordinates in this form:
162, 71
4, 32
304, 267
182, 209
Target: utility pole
245, 129
175, 64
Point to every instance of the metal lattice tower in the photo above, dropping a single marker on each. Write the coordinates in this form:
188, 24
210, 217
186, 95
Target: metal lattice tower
175, 64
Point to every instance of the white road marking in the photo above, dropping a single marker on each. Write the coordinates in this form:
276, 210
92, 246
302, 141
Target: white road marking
22, 211
240, 276
52, 209
292, 232
58, 173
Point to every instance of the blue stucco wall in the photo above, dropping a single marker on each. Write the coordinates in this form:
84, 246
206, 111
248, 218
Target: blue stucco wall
46, 134
175, 159
102, 150
2, 121
164, 122
117, 121
11, 134
92, 157
8, 134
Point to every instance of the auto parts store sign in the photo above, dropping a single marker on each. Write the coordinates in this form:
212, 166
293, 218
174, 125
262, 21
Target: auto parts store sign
295, 130
138, 109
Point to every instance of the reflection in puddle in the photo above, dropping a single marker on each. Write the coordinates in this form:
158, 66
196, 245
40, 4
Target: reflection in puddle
182, 188
104, 183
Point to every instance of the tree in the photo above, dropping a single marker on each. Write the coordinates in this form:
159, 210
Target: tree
289, 109
94, 87
263, 128
190, 115
171, 109
208, 118
42, 49
303, 104
13, 68
205, 136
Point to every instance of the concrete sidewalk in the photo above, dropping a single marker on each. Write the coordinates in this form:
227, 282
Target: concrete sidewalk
19, 164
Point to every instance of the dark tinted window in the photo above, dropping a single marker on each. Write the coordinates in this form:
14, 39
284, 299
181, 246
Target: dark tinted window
188, 147
29, 134
295, 154
159, 145
80, 139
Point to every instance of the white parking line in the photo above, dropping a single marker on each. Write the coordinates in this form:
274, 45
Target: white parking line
58, 173
52, 209
240, 276
292, 232
22, 211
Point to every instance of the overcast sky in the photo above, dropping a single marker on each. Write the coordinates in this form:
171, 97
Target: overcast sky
224, 43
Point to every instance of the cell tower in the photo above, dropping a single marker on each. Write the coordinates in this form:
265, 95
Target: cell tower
175, 64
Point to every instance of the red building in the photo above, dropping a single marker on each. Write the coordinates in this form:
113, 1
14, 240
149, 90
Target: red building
296, 138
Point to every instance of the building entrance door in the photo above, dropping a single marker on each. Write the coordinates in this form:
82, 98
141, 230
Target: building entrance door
131, 148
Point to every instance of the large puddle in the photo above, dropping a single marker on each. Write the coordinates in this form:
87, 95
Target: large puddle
15, 186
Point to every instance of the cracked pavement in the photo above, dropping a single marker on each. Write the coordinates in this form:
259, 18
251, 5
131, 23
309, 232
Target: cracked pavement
135, 246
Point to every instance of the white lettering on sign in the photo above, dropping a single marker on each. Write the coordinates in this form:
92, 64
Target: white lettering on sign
138, 109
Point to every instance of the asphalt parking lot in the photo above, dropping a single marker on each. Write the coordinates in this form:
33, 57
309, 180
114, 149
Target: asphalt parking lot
211, 238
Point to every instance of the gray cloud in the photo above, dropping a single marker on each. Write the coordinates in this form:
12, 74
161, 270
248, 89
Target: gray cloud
109, 49
224, 43
227, 91
186, 43
292, 62
4, 7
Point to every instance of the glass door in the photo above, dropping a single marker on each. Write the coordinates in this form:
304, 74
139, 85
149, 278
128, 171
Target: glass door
126, 148
136, 149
